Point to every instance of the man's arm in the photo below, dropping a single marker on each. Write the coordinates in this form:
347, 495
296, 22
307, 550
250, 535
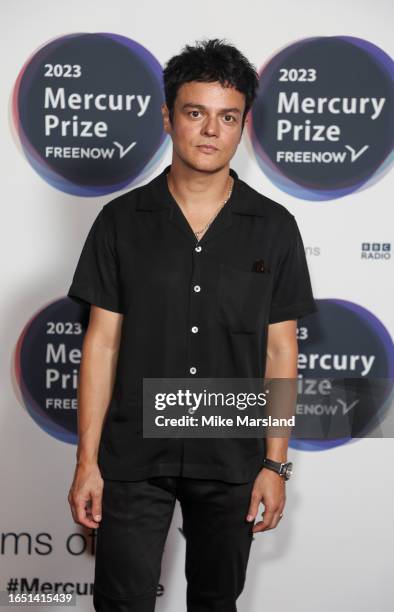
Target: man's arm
96, 379
282, 357
269, 487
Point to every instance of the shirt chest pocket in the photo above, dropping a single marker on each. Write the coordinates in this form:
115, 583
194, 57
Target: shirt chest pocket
242, 298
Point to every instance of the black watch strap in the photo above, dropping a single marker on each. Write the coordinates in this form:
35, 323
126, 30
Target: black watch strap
280, 468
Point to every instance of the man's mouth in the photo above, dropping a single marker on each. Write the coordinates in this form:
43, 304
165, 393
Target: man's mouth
207, 148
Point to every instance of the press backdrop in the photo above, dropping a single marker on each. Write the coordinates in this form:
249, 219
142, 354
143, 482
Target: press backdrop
81, 95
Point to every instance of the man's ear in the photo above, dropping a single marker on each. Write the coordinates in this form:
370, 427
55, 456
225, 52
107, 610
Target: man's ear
166, 118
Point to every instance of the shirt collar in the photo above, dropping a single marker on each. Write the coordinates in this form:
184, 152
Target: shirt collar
158, 196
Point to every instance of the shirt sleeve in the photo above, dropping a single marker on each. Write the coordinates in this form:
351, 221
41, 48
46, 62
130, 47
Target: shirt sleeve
292, 296
96, 277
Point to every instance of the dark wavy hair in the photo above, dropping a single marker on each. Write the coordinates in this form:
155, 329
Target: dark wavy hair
210, 61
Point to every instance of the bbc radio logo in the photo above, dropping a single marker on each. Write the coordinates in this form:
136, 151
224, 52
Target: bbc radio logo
376, 250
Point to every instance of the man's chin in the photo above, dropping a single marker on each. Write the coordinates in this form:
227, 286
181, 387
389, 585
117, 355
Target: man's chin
208, 166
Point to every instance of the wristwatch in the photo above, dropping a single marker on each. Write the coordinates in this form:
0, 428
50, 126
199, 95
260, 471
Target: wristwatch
284, 470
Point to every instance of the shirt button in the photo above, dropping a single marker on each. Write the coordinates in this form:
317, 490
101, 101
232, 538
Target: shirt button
194, 329
193, 370
197, 288
198, 249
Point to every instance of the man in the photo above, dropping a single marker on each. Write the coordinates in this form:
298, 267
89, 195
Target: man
193, 275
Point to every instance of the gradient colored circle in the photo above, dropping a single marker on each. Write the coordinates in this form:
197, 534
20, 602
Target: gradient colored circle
346, 342
47, 360
86, 111
322, 124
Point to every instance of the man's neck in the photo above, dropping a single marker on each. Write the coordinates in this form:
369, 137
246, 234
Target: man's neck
198, 191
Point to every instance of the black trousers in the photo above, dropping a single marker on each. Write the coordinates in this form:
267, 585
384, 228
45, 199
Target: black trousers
130, 540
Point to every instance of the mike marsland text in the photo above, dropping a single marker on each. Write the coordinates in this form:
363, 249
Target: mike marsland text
219, 421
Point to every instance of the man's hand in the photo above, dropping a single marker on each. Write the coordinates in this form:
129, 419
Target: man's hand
85, 495
269, 488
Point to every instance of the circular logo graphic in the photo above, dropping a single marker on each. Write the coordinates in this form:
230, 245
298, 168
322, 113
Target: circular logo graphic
47, 360
86, 110
346, 368
322, 124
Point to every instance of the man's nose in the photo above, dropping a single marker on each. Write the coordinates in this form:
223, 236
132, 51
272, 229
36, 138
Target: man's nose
210, 126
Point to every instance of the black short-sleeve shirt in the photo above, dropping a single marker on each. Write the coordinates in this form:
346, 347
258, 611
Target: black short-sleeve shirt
141, 258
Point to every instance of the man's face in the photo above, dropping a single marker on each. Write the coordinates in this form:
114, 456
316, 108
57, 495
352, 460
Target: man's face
207, 124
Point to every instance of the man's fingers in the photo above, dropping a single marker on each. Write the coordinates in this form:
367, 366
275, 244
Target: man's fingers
260, 526
275, 520
268, 517
271, 518
85, 496
96, 506
82, 512
80, 509
253, 506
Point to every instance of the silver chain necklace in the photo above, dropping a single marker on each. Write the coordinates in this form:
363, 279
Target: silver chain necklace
198, 232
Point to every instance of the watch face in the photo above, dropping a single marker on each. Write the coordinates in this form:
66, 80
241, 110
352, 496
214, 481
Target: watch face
288, 470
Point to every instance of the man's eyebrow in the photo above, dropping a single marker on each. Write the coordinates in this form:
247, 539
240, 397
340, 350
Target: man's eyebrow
233, 109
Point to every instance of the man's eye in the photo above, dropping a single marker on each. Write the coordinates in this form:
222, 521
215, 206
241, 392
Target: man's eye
229, 118
194, 111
